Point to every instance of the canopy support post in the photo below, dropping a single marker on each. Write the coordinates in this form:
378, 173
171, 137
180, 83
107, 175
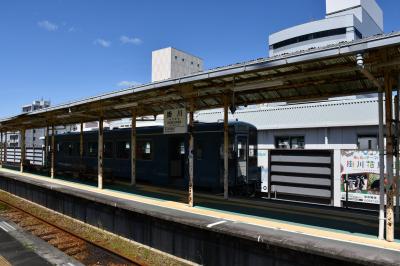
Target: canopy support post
133, 148
226, 148
2, 150
389, 157
23, 150
381, 168
53, 152
398, 151
100, 154
191, 154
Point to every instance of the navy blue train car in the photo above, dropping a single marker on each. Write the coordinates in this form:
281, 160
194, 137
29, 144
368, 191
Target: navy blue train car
163, 159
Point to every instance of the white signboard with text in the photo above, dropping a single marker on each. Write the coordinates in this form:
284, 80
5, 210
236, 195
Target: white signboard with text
175, 121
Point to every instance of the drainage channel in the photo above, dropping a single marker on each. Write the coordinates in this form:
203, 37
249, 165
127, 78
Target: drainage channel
70, 244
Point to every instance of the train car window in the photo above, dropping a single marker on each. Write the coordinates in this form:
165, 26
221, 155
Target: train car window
92, 149
252, 151
242, 150
144, 150
108, 150
182, 148
123, 149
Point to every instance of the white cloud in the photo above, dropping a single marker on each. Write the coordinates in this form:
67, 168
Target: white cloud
71, 29
127, 83
102, 43
127, 40
47, 25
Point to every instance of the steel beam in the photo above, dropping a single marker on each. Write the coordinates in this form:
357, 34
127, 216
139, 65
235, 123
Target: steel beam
133, 148
100, 154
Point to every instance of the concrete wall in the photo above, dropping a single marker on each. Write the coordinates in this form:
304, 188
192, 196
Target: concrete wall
319, 138
370, 6
170, 63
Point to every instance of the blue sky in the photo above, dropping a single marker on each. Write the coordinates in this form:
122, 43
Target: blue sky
64, 50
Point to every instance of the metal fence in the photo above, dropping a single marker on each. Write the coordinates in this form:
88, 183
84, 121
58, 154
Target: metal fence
33, 155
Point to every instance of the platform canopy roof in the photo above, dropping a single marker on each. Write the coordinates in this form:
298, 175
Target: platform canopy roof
314, 74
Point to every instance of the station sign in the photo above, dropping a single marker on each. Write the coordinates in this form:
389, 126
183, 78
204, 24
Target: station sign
175, 121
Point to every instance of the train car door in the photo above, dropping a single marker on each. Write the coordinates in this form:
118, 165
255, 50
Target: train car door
176, 149
242, 148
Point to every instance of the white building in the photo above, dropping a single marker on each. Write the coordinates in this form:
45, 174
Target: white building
170, 63
345, 20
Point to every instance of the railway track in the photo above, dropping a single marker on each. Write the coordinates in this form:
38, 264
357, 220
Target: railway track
72, 245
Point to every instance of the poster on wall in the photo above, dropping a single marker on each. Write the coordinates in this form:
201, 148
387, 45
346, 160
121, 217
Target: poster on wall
263, 164
361, 169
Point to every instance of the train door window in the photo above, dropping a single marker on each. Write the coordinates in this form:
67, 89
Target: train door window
367, 142
108, 150
144, 150
92, 149
123, 149
252, 151
242, 149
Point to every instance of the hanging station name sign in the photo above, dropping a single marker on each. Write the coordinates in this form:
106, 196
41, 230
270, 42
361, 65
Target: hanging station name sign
175, 121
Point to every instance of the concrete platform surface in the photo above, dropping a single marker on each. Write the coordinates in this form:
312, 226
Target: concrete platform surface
296, 236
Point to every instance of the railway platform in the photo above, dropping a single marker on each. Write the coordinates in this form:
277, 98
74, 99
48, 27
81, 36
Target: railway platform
215, 231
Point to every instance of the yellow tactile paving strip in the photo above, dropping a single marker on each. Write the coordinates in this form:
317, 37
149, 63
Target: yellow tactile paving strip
225, 216
4, 262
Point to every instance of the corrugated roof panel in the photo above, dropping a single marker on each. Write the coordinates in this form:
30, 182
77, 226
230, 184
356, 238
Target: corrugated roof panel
312, 115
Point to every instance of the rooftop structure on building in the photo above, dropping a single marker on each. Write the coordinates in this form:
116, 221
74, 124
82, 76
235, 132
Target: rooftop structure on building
345, 20
169, 63
36, 105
